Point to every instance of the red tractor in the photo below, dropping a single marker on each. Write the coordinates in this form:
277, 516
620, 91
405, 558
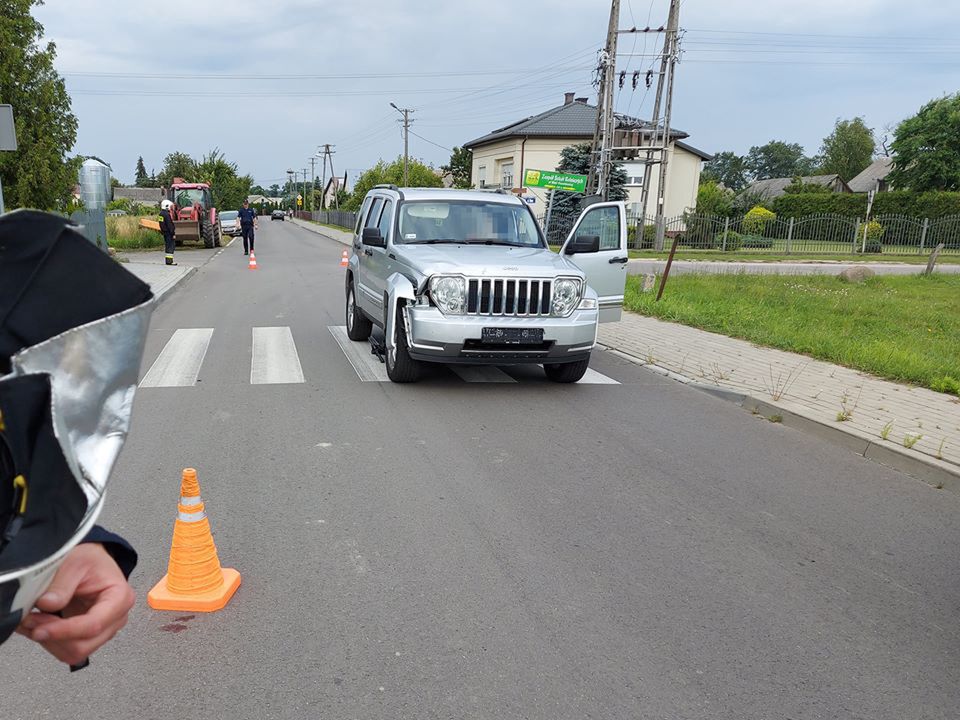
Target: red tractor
194, 215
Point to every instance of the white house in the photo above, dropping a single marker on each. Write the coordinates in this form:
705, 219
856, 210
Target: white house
501, 157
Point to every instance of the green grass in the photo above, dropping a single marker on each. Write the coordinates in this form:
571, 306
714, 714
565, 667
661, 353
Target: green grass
902, 328
125, 233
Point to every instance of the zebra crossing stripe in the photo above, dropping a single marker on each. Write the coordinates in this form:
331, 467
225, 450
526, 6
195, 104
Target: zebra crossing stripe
178, 364
481, 374
275, 360
365, 364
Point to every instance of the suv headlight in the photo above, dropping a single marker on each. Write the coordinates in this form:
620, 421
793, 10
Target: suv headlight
566, 296
449, 293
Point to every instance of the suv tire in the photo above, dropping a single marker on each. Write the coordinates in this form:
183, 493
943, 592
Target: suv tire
359, 326
567, 372
401, 368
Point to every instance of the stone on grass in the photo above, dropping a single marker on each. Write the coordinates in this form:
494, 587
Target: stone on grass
648, 283
856, 274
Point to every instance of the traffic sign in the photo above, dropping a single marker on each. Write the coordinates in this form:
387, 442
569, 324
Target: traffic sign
299, 201
567, 182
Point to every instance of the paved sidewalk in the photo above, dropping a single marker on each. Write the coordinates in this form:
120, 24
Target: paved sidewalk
795, 385
680, 267
341, 236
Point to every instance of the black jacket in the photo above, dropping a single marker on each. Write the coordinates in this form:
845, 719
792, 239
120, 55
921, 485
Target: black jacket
166, 223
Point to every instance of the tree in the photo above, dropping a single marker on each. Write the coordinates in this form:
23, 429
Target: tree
848, 150
38, 174
229, 189
714, 200
798, 187
726, 168
140, 176
576, 159
778, 159
926, 148
177, 165
420, 175
461, 167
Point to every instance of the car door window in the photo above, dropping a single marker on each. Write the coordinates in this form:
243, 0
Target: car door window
361, 215
604, 222
386, 218
373, 217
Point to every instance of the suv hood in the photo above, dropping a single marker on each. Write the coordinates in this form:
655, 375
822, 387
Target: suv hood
485, 261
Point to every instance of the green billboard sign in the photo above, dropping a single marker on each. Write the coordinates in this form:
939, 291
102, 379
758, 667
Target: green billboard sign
567, 182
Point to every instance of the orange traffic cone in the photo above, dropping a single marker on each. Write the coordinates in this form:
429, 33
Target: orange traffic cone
253, 261
344, 259
194, 582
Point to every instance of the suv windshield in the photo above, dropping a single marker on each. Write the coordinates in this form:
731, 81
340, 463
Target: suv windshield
465, 221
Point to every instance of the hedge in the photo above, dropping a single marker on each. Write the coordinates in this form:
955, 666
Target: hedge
919, 205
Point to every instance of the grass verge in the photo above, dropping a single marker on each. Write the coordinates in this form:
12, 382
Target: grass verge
125, 233
902, 328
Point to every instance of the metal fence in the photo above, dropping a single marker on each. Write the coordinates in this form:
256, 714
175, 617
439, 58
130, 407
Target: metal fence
339, 218
823, 234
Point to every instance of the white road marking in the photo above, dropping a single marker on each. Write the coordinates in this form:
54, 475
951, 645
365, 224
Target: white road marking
178, 364
592, 377
275, 360
365, 364
481, 374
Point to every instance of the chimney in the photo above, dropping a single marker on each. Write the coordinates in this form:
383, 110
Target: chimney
568, 98
581, 100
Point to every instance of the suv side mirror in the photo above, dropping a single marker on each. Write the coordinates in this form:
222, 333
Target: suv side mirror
371, 236
583, 244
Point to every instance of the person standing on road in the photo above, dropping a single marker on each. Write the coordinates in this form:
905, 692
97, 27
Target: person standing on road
169, 231
248, 223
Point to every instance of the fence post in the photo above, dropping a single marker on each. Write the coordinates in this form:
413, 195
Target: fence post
856, 227
923, 234
790, 236
726, 229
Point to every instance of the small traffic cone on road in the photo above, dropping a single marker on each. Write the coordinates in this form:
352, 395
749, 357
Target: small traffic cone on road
194, 582
253, 261
344, 259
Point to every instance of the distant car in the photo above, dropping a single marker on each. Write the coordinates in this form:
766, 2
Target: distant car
230, 223
116, 213
277, 215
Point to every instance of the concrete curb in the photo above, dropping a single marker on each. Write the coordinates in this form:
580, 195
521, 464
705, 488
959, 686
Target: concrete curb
940, 475
166, 291
319, 230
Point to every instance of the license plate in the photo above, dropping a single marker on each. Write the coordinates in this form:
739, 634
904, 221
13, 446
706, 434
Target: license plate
512, 336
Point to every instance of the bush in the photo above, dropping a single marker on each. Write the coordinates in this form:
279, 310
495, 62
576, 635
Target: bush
734, 241
125, 233
875, 231
756, 242
714, 200
649, 237
919, 205
756, 220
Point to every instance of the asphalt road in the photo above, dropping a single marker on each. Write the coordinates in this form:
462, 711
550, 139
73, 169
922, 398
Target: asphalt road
486, 550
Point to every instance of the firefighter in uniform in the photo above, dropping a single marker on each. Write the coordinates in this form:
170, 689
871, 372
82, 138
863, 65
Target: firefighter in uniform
169, 231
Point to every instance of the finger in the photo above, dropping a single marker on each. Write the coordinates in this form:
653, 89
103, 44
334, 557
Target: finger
35, 620
110, 606
64, 584
76, 652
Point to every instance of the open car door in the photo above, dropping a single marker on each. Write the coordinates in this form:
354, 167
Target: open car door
606, 267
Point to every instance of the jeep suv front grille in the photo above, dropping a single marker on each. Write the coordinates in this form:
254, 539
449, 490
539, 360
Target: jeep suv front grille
509, 296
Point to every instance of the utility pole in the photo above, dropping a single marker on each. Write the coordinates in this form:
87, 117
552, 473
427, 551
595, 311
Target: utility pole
598, 177
661, 141
313, 174
406, 137
327, 157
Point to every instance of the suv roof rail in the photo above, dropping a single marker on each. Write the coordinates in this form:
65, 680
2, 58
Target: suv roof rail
386, 186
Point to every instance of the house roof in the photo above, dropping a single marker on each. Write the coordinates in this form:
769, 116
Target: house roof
138, 194
575, 119
774, 187
874, 172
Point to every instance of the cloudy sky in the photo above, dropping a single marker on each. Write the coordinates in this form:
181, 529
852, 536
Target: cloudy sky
267, 83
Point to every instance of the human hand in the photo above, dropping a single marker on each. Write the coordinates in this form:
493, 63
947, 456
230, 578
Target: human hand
91, 593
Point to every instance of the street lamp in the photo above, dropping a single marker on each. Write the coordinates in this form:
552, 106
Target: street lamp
290, 174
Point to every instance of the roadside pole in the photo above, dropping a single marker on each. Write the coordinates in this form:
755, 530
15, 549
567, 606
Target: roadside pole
8, 140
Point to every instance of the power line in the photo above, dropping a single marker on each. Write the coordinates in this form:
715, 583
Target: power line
341, 76
442, 147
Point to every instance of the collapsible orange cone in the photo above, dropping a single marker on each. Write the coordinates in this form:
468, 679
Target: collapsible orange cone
253, 261
194, 582
344, 259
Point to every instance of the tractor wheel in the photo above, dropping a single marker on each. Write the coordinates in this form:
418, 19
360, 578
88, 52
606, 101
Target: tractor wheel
207, 232
218, 235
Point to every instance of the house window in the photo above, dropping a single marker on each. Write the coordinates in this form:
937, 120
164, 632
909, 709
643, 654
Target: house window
482, 176
506, 175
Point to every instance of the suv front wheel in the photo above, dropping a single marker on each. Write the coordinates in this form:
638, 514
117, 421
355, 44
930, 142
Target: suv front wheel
567, 372
401, 368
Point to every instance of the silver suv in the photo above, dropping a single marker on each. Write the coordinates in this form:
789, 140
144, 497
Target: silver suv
455, 276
